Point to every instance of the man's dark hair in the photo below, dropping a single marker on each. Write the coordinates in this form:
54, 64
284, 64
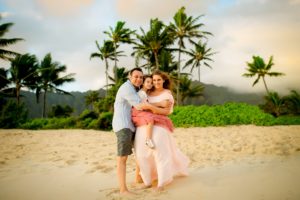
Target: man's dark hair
135, 69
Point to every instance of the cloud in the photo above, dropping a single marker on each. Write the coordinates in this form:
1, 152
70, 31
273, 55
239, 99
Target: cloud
250, 28
68, 30
141, 11
63, 7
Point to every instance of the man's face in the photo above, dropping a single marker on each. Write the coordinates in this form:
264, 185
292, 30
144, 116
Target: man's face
136, 78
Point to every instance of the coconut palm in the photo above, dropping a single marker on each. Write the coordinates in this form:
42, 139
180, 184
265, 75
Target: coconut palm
3, 79
107, 51
274, 104
259, 68
292, 102
151, 43
120, 78
6, 54
22, 73
200, 54
50, 80
91, 98
167, 64
140, 54
185, 27
119, 34
188, 90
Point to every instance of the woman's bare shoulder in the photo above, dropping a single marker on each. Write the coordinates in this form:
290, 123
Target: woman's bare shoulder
155, 93
168, 91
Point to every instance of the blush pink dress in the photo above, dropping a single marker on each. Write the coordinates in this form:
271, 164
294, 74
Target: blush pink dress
164, 161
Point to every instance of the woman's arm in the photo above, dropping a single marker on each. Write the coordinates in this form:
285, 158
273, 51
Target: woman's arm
157, 110
163, 104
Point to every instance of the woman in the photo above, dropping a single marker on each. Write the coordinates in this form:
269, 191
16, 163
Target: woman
166, 160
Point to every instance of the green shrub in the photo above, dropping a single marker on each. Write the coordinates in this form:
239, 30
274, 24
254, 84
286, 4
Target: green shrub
104, 121
84, 123
88, 114
61, 111
183, 116
220, 115
13, 115
287, 120
35, 124
50, 123
60, 123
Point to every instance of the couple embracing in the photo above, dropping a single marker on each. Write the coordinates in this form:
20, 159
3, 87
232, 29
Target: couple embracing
140, 121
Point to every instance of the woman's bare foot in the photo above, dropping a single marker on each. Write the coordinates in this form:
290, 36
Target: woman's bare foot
138, 179
159, 189
144, 187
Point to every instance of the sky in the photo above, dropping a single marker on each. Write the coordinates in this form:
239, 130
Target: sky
68, 30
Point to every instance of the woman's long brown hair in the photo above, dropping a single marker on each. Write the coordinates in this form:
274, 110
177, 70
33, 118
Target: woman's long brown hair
167, 81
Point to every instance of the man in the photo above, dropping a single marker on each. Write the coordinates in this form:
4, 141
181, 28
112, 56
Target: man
127, 98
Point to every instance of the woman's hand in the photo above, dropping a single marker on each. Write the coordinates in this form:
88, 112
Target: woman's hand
154, 109
163, 104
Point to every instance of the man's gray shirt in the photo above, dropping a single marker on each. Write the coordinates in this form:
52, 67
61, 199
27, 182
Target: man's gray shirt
126, 98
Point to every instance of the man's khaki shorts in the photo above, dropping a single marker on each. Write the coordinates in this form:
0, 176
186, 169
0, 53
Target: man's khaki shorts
125, 139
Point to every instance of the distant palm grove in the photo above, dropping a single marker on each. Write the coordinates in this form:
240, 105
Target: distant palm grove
160, 47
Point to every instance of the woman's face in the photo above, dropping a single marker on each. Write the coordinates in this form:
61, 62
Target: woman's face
148, 83
158, 81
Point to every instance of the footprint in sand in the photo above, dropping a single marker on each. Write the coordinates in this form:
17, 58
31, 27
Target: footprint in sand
113, 194
101, 168
70, 162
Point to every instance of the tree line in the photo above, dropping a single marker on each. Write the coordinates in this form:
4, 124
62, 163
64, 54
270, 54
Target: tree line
27, 72
154, 48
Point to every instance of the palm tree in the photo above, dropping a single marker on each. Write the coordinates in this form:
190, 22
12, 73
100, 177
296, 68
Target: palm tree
6, 54
154, 41
120, 78
274, 104
3, 79
119, 35
91, 98
188, 90
167, 64
107, 51
49, 78
185, 27
292, 102
261, 69
200, 54
22, 73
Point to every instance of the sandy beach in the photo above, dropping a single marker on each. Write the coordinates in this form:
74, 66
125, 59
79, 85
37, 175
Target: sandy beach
234, 163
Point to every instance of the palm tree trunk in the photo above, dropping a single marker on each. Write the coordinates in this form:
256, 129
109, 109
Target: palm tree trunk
115, 67
18, 89
44, 104
199, 72
263, 78
149, 66
106, 75
178, 76
156, 60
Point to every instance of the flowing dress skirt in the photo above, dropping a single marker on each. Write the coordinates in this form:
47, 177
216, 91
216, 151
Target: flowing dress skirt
162, 163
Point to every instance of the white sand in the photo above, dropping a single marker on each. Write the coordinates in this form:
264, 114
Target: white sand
236, 162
